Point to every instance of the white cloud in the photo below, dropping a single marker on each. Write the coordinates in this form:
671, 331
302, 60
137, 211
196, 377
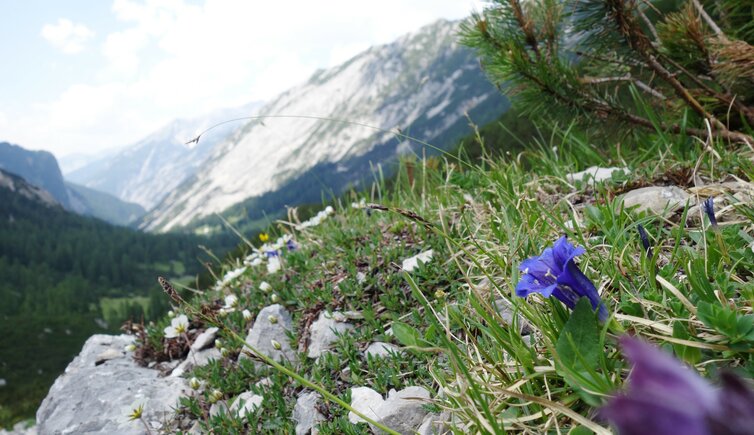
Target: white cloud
175, 58
66, 35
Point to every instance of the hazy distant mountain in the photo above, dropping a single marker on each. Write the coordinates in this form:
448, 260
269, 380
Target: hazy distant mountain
145, 172
40, 169
424, 84
72, 162
18, 186
102, 205
36, 167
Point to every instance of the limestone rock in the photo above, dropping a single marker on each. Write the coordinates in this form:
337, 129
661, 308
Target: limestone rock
595, 174
218, 408
108, 354
196, 359
412, 263
324, 331
379, 349
656, 199
306, 415
250, 400
366, 401
264, 331
205, 339
91, 398
434, 424
402, 411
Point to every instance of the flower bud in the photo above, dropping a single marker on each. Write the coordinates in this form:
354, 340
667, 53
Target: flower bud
275, 298
215, 395
171, 314
194, 383
130, 348
272, 319
276, 345
246, 315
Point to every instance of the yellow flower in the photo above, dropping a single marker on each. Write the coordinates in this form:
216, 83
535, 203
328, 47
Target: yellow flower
136, 413
264, 237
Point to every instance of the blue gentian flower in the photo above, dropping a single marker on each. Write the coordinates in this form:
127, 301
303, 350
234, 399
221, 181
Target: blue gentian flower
709, 209
664, 396
644, 240
272, 253
555, 273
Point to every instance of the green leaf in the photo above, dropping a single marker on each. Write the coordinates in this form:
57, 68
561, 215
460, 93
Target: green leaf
405, 334
578, 345
691, 355
580, 430
579, 348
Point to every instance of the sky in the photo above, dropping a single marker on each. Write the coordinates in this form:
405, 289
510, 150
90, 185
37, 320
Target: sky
85, 76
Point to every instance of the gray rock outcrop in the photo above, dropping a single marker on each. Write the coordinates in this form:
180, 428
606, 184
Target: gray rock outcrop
324, 331
595, 174
656, 199
412, 263
199, 355
266, 330
91, 398
379, 349
306, 415
402, 411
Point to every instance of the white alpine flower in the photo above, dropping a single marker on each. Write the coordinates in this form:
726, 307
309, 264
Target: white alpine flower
179, 325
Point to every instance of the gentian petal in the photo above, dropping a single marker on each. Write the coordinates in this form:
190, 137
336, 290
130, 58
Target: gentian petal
564, 251
637, 415
657, 374
573, 278
736, 407
530, 284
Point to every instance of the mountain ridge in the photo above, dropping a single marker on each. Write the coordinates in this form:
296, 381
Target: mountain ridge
152, 167
423, 84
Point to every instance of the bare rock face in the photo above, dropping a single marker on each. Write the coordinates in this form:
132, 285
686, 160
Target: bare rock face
325, 331
656, 199
412, 263
306, 415
402, 411
199, 355
379, 349
97, 398
595, 174
271, 330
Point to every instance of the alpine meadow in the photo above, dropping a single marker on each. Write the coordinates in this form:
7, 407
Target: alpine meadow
525, 217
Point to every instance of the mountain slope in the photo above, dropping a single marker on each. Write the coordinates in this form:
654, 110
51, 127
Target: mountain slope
20, 187
424, 84
146, 171
61, 274
36, 167
102, 205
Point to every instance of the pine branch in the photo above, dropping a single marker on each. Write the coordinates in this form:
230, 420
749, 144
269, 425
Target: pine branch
710, 22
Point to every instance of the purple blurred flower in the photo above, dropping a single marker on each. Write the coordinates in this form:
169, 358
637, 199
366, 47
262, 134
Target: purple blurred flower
709, 210
272, 253
664, 396
291, 245
555, 273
